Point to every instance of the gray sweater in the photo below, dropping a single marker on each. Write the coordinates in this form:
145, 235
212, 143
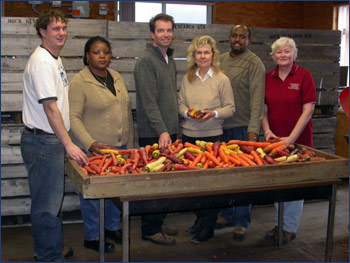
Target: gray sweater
156, 95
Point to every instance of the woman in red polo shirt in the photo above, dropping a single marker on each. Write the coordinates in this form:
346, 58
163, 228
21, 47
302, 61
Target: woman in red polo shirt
290, 97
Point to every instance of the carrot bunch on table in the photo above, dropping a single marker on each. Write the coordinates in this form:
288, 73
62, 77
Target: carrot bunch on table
180, 156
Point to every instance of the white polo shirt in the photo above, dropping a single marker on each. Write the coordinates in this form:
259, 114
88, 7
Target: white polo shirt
44, 78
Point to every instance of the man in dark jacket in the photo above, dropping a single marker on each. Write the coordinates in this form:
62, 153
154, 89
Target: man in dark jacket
156, 108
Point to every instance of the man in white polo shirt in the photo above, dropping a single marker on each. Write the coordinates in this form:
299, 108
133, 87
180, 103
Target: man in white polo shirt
45, 139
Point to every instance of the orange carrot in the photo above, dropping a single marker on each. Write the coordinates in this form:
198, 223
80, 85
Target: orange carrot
148, 152
248, 155
209, 148
247, 159
178, 147
234, 142
206, 164
223, 143
108, 163
84, 170
254, 144
233, 160
89, 170
223, 155
272, 146
257, 158
204, 159
95, 157
114, 160
96, 161
196, 160
241, 160
187, 145
102, 162
137, 158
212, 158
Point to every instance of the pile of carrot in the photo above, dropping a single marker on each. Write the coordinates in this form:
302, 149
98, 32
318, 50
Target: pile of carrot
186, 156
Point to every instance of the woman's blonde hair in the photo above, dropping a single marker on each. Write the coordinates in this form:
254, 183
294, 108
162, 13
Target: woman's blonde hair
284, 41
191, 60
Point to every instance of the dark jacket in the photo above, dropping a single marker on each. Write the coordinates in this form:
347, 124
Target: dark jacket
156, 94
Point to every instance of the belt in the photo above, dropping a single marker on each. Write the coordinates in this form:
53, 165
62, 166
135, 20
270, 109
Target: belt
37, 131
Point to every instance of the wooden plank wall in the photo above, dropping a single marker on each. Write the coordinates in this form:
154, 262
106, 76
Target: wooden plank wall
318, 52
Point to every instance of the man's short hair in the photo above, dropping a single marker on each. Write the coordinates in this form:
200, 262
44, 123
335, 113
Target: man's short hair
161, 16
46, 17
248, 29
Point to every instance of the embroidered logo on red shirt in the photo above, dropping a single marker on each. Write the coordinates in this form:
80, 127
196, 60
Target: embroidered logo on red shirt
294, 86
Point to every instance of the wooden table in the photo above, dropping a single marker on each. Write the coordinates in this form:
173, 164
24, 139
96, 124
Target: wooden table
238, 185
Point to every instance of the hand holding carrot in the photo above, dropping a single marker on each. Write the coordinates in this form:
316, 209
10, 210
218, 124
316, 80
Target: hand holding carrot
207, 115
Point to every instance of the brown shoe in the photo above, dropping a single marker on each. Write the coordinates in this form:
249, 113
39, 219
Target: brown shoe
239, 233
222, 223
272, 234
169, 230
287, 237
160, 239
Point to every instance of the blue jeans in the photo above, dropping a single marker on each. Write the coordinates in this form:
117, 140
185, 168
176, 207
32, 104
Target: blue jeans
238, 215
43, 156
291, 215
90, 214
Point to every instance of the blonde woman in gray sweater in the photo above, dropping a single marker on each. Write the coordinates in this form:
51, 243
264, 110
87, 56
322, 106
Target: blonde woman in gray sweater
207, 89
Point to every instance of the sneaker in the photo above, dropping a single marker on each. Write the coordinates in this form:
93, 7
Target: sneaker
222, 223
197, 226
115, 235
169, 230
239, 233
205, 234
272, 234
160, 239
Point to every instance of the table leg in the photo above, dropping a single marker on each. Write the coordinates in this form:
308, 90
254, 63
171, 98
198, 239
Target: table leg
102, 230
126, 229
330, 225
280, 223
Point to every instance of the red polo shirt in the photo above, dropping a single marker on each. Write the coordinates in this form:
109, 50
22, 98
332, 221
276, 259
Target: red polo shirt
285, 100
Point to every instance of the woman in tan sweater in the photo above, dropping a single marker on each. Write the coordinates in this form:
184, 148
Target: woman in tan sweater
204, 88
100, 116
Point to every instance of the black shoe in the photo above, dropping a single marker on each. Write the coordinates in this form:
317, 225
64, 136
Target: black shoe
197, 226
116, 235
205, 234
95, 245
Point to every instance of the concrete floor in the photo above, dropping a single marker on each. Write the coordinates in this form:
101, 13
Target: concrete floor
17, 245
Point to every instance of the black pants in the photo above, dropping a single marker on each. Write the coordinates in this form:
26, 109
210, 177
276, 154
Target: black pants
152, 223
208, 216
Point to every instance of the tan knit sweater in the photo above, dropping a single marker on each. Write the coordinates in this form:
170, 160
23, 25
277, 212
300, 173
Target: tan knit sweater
96, 114
214, 94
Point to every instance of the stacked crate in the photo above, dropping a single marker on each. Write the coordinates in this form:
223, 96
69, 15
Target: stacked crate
318, 52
